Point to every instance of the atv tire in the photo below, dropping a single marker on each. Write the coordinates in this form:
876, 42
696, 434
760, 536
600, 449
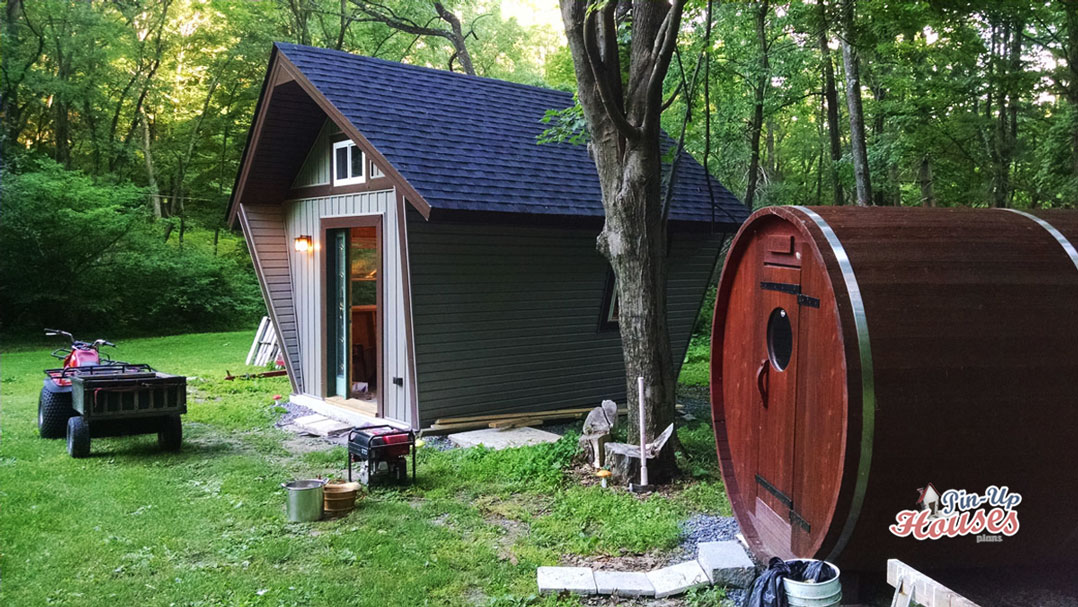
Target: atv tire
170, 435
78, 437
53, 411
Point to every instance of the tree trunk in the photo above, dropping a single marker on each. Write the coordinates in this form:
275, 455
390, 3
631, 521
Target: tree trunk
151, 177
924, 178
830, 96
624, 143
858, 144
756, 122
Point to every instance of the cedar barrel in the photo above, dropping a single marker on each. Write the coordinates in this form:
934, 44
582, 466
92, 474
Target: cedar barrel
859, 354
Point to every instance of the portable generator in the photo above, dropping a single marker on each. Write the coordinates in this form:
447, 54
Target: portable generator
382, 453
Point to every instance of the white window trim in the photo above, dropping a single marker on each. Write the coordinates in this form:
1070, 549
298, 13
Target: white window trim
350, 146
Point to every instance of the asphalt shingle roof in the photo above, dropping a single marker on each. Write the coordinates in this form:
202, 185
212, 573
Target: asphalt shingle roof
469, 143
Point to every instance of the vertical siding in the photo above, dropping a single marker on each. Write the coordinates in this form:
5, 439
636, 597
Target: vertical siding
506, 318
304, 217
263, 227
316, 168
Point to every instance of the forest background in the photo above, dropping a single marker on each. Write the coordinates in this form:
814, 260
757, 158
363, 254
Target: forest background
124, 121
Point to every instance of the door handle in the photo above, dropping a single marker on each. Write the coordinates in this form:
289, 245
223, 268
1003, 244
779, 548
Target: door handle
763, 376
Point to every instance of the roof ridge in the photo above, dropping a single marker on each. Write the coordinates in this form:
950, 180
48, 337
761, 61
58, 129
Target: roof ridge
422, 68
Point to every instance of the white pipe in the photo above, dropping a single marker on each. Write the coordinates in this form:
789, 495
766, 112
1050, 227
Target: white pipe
643, 435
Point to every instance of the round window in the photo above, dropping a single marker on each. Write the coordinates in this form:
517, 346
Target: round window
780, 339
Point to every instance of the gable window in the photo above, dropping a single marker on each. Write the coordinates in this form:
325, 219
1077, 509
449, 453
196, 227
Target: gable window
608, 313
348, 164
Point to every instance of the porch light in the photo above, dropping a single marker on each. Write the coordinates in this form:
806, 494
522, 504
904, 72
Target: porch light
303, 243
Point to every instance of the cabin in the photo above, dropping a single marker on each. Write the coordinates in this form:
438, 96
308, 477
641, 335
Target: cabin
422, 256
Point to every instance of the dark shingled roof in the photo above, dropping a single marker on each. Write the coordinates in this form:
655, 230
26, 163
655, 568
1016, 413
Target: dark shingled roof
469, 143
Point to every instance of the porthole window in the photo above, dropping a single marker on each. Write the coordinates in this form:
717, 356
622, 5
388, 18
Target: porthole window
780, 339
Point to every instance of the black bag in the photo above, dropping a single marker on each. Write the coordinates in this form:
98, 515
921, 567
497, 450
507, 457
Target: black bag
769, 591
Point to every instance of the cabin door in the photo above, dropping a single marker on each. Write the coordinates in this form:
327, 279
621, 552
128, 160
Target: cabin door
777, 317
354, 313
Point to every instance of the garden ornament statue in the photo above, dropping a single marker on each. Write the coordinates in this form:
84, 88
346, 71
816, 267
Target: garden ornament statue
598, 426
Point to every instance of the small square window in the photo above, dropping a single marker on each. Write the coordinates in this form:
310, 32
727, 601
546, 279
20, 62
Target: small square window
608, 313
348, 163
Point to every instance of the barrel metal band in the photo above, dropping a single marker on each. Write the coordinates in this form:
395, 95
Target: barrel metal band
1060, 238
868, 387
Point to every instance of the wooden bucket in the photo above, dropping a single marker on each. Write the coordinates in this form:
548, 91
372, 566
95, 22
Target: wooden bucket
339, 498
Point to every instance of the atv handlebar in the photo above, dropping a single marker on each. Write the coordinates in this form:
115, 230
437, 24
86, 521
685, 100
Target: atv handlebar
55, 332
74, 342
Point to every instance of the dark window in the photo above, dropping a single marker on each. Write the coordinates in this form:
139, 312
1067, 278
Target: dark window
608, 313
780, 339
341, 155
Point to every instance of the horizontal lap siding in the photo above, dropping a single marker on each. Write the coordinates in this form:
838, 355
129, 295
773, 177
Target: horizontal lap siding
304, 217
506, 318
264, 229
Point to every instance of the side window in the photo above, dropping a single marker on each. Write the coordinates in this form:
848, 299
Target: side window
348, 164
608, 313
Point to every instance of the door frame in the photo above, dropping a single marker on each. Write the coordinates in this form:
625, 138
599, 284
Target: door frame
374, 220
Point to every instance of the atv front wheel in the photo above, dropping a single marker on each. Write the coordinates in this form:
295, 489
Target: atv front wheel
53, 411
78, 437
170, 435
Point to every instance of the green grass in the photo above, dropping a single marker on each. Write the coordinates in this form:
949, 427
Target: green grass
206, 526
696, 369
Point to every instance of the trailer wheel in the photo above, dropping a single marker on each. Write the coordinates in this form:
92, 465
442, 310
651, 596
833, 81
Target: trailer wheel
78, 437
170, 435
53, 411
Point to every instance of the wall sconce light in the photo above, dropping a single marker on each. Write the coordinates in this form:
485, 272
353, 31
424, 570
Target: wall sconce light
303, 243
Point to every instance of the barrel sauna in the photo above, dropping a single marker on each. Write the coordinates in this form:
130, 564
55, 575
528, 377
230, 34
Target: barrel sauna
861, 354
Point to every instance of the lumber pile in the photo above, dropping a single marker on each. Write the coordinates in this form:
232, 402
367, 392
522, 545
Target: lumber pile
264, 348
505, 421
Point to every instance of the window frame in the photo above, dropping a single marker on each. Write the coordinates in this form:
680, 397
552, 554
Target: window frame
349, 145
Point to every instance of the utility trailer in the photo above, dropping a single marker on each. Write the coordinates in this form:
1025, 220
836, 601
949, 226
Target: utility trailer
121, 399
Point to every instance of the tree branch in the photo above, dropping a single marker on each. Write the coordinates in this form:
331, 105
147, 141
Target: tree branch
600, 70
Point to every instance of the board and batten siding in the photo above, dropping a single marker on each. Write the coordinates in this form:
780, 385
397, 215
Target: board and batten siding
304, 216
316, 168
506, 318
263, 227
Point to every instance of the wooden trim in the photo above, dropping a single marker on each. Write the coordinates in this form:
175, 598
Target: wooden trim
350, 130
355, 221
273, 75
256, 259
406, 283
328, 189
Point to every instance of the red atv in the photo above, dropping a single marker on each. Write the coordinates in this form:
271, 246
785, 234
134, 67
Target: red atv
54, 404
91, 396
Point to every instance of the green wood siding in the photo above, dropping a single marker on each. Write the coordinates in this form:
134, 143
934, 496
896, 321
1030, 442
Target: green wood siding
507, 318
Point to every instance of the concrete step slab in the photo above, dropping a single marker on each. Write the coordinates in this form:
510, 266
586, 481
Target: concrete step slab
494, 438
676, 579
726, 564
573, 580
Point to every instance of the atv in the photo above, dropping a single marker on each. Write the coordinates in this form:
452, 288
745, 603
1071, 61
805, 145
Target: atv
93, 395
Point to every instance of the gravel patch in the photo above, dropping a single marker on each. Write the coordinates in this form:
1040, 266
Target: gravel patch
708, 528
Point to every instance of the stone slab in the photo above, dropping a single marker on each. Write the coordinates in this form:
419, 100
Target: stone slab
676, 579
623, 583
494, 438
320, 425
574, 580
726, 564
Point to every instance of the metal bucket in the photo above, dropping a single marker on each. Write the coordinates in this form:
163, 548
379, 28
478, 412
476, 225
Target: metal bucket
809, 594
304, 500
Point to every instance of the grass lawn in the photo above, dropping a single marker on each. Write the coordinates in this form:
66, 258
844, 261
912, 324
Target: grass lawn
205, 526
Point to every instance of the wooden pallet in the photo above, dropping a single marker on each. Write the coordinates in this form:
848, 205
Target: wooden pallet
915, 588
